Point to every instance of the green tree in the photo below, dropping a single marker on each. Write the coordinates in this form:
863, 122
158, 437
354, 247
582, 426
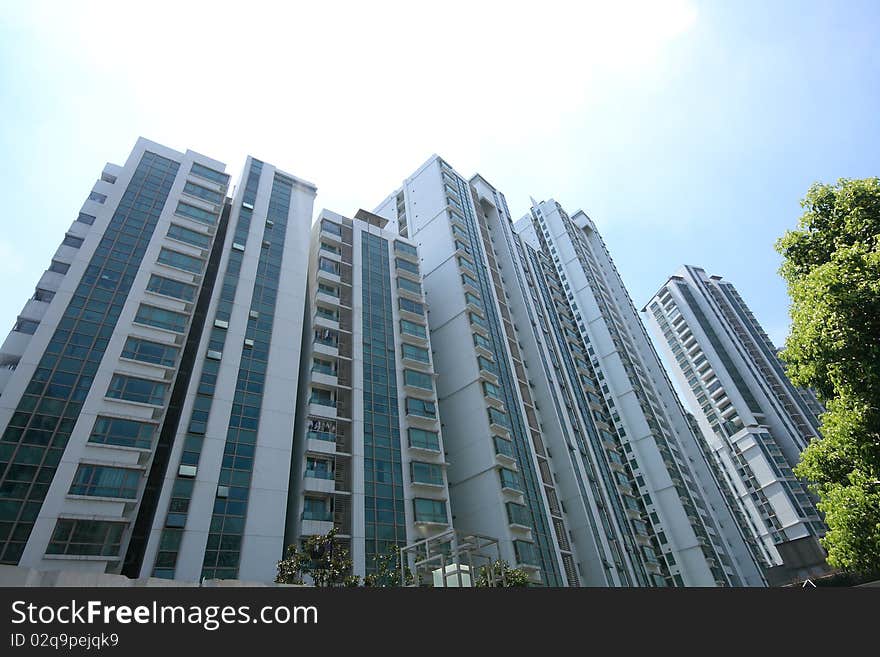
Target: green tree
832, 267
322, 558
386, 570
503, 575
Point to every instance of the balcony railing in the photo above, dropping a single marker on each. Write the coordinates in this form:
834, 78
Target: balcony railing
321, 516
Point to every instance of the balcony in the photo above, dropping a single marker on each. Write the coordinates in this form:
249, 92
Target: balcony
511, 486
472, 307
316, 524
327, 298
499, 429
330, 255
410, 294
322, 405
411, 314
421, 421
325, 320
494, 402
328, 275
467, 287
324, 378
403, 272
329, 233
315, 483
418, 391
488, 375
406, 251
522, 526
414, 338
526, 556
325, 344
464, 252
483, 351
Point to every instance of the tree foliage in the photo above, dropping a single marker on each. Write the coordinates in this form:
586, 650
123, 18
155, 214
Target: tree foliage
386, 571
322, 558
832, 267
502, 574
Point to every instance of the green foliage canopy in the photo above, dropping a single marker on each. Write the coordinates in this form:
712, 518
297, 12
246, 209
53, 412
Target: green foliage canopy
832, 267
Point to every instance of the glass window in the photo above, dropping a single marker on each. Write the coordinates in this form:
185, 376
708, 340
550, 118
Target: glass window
88, 219
86, 537
479, 321
131, 388
418, 379
503, 446
43, 295
150, 352
509, 479
171, 288
406, 265
426, 473
71, 240
525, 552
195, 213
105, 481
315, 508
180, 260
429, 510
161, 318
59, 267
27, 326
422, 439
327, 313
415, 353
405, 248
208, 174
119, 431
518, 514
318, 468
322, 397
411, 328
97, 197
482, 341
202, 192
181, 234
411, 306
323, 366
491, 390
486, 364
330, 227
421, 407
328, 289
409, 286
330, 266
498, 417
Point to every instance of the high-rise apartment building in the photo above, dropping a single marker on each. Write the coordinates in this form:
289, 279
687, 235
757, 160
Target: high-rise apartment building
369, 450
755, 422
147, 407
565, 438
203, 377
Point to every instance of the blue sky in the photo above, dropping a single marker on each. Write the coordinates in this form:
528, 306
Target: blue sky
688, 130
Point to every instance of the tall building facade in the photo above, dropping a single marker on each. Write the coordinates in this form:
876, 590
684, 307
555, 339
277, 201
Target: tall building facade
560, 443
369, 456
147, 404
755, 422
